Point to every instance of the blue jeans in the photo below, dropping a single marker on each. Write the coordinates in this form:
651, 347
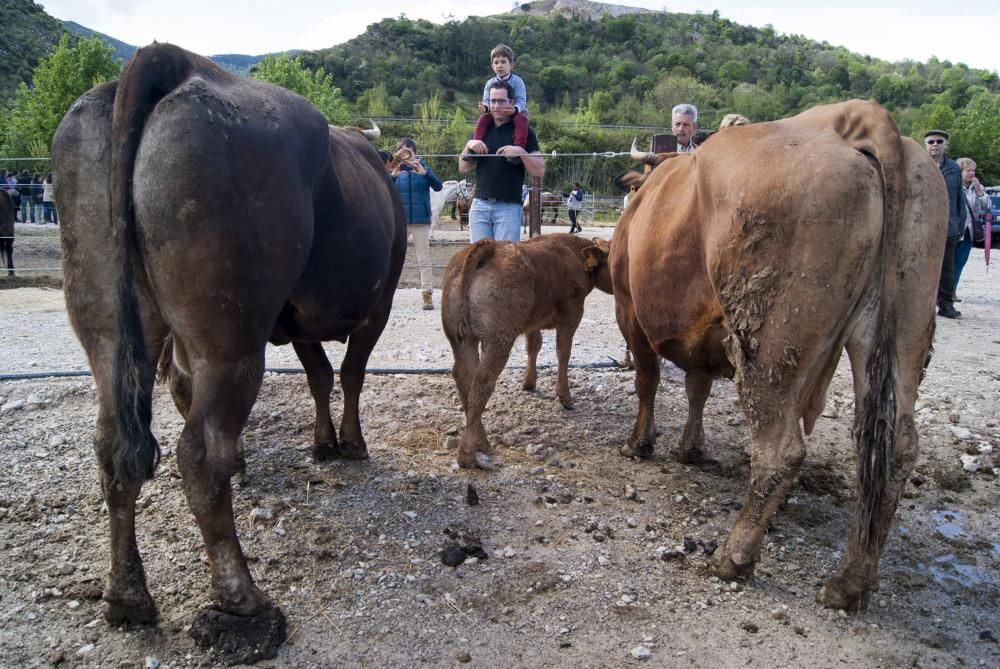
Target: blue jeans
962, 252
494, 220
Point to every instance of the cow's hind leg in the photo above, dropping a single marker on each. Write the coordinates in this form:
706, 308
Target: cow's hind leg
360, 344
474, 447
777, 453
244, 626
532, 345
857, 574
466, 354
125, 594
319, 374
647, 379
698, 385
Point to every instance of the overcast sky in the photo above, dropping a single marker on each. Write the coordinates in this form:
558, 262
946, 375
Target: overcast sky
967, 32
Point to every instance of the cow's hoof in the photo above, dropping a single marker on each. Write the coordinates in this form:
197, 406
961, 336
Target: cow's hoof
528, 386
640, 449
324, 452
691, 456
352, 450
838, 593
240, 639
730, 567
343, 450
567, 403
141, 611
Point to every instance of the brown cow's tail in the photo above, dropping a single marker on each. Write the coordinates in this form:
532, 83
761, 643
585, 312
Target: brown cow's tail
477, 256
151, 74
870, 129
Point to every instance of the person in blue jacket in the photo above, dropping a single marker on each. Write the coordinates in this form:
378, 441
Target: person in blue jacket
414, 181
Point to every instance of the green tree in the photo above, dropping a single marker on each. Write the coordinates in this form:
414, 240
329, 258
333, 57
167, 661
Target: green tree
733, 71
315, 86
977, 136
30, 121
374, 101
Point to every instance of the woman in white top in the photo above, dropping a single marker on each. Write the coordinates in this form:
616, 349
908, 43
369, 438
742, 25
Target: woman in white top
49, 214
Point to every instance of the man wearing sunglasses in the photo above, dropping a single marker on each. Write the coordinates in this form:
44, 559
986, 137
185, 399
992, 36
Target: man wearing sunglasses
936, 142
496, 207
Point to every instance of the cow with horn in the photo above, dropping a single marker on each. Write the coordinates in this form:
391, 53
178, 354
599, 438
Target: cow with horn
763, 256
187, 238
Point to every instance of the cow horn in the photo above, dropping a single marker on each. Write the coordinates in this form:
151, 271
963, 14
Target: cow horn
637, 155
372, 134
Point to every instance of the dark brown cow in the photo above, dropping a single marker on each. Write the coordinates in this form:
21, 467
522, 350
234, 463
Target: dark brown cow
236, 216
7, 230
494, 291
761, 257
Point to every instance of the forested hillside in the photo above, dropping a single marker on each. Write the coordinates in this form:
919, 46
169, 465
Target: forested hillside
589, 65
625, 69
27, 34
631, 69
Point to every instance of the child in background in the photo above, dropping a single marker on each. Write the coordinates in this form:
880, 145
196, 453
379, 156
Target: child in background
502, 58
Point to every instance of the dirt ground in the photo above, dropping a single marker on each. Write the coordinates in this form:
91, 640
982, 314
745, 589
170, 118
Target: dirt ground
593, 560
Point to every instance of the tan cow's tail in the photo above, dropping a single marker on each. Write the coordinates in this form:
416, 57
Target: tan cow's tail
870, 129
477, 256
149, 76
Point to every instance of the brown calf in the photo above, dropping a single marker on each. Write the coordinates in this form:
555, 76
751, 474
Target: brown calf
493, 292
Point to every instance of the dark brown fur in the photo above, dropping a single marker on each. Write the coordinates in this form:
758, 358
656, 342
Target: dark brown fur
244, 218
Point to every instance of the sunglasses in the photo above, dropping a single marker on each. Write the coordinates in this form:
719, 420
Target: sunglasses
934, 141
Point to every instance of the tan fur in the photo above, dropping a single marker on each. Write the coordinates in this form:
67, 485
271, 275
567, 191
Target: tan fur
761, 257
494, 291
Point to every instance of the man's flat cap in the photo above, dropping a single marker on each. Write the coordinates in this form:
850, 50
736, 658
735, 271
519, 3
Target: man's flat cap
935, 132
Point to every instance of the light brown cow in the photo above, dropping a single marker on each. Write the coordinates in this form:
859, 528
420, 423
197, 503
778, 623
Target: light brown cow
761, 257
494, 291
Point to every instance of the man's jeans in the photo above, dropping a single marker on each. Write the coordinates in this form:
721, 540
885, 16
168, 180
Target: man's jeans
494, 220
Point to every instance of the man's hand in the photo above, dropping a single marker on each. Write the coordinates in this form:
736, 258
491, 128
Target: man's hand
511, 150
475, 146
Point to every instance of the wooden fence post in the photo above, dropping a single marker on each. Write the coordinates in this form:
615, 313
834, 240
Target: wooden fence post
534, 206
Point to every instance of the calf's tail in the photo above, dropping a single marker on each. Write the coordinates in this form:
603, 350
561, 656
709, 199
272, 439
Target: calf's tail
477, 255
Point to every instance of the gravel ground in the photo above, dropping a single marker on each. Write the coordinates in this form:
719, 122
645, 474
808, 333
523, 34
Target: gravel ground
591, 560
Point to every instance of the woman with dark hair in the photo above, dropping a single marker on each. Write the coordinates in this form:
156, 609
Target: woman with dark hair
36, 198
414, 179
8, 181
24, 188
7, 229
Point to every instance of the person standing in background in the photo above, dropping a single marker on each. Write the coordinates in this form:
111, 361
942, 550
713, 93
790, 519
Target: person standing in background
414, 181
977, 203
936, 142
49, 213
